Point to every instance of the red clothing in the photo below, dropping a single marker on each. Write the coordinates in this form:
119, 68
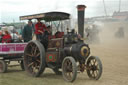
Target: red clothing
6, 38
39, 26
60, 35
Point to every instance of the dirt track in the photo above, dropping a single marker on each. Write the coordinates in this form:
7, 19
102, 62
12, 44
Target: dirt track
113, 53
114, 58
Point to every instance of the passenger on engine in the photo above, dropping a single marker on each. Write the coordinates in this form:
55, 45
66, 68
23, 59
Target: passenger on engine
39, 29
7, 37
59, 34
50, 36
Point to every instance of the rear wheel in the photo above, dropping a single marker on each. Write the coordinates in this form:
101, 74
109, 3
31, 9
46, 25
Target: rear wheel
3, 66
94, 67
69, 69
34, 58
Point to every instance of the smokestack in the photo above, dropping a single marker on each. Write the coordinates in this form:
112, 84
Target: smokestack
81, 9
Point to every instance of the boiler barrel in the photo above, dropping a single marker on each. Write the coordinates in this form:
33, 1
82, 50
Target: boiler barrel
79, 51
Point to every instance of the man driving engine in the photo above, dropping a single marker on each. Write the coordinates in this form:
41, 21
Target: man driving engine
39, 29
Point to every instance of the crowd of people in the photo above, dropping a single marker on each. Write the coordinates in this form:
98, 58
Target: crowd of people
7, 37
41, 31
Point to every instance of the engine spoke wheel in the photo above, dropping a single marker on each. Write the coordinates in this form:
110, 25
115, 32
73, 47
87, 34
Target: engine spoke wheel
94, 67
69, 69
34, 58
3, 66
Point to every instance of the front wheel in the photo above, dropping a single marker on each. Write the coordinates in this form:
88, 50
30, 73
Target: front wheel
69, 69
94, 67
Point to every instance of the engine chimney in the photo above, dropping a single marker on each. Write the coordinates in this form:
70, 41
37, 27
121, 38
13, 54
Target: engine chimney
81, 9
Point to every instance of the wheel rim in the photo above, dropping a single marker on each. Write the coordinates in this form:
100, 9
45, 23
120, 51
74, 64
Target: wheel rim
32, 58
94, 68
69, 69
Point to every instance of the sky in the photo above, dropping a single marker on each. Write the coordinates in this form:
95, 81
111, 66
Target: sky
10, 10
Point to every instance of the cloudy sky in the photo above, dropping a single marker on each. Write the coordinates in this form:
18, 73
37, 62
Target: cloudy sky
10, 10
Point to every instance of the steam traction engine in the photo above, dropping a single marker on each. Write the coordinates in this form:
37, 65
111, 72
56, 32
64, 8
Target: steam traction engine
68, 53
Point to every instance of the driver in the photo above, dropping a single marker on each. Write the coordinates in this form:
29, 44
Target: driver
39, 29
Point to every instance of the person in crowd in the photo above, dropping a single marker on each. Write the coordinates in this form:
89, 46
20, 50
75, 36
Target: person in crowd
1, 35
6, 37
27, 32
16, 37
39, 29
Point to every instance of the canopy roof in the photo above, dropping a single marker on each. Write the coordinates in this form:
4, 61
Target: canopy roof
49, 16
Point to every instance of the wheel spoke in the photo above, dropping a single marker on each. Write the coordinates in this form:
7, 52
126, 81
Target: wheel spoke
31, 45
94, 61
91, 62
97, 72
97, 67
30, 64
70, 75
37, 54
29, 55
35, 50
38, 60
66, 64
32, 50
93, 75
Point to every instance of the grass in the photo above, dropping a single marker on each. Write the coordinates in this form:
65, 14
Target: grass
15, 76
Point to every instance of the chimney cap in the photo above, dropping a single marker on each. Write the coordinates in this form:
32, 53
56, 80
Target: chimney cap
81, 6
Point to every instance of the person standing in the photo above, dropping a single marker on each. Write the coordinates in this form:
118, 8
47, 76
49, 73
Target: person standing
27, 32
40, 28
